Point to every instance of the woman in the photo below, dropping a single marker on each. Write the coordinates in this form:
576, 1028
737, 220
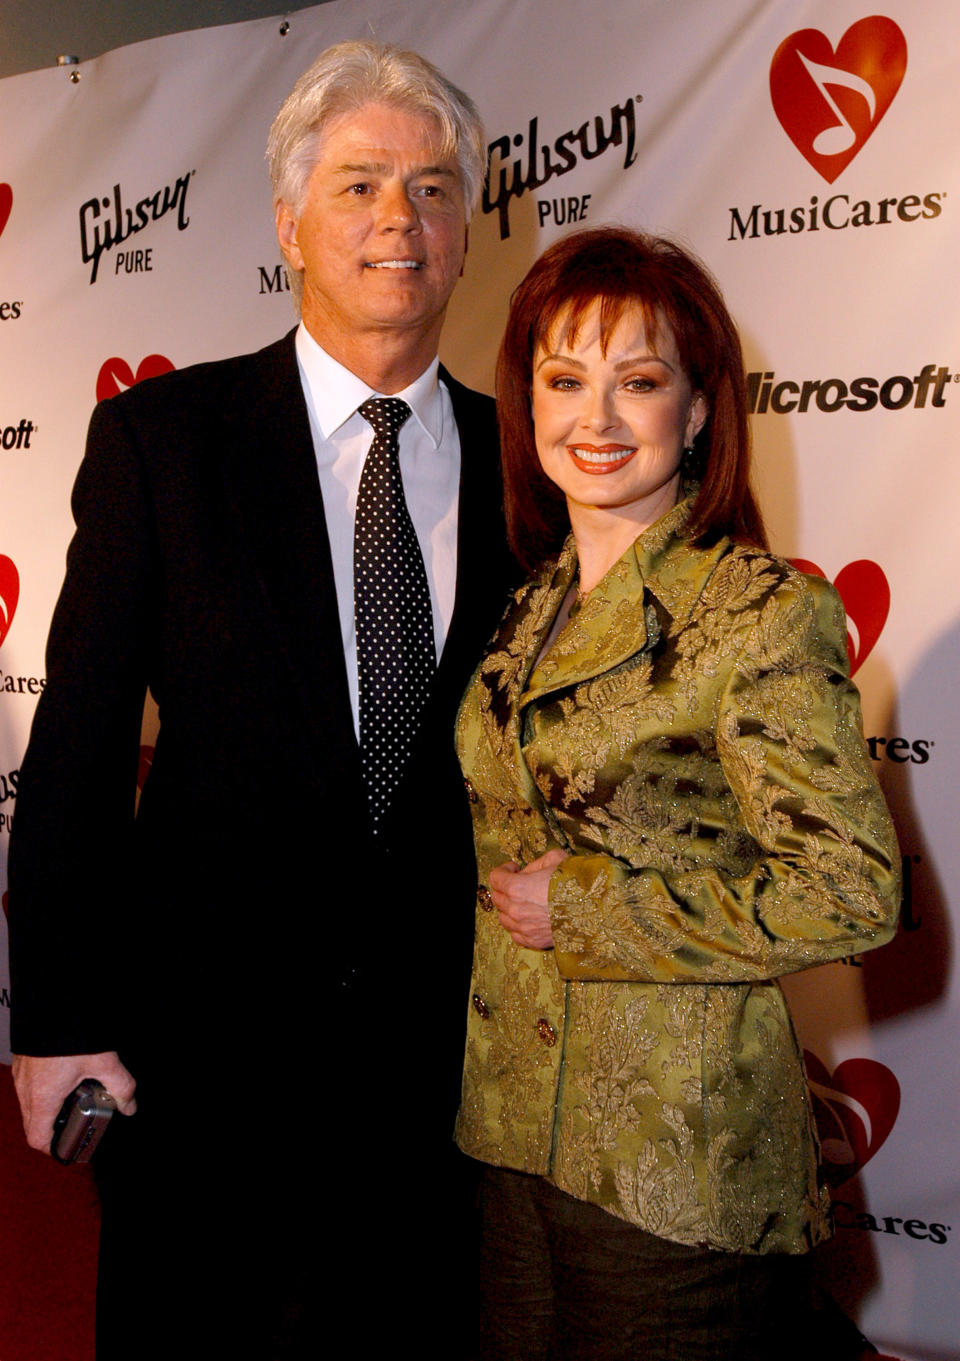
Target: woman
673, 805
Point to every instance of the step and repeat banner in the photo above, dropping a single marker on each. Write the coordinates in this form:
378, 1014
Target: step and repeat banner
810, 153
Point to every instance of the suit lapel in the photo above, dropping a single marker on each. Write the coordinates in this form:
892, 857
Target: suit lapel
271, 476
269, 470
483, 575
482, 558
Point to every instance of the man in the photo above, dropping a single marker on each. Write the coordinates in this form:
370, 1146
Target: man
269, 963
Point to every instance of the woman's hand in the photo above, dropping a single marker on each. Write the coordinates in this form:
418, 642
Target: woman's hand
521, 897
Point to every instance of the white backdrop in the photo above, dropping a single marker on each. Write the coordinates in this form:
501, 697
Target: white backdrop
809, 152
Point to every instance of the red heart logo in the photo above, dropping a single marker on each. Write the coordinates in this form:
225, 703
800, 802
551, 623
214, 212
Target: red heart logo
116, 375
865, 592
9, 594
855, 1110
830, 102
6, 203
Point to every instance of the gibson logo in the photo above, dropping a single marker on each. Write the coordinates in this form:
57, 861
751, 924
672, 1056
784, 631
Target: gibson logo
118, 223
535, 164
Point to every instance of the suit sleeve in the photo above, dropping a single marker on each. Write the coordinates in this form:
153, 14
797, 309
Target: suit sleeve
70, 856
824, 880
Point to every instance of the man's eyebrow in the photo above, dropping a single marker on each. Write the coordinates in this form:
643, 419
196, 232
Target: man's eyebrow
382, 168
362, 168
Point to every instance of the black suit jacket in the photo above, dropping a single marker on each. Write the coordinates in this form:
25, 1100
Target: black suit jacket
246, 910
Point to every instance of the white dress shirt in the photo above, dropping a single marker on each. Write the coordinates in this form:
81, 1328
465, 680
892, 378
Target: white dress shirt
429, 465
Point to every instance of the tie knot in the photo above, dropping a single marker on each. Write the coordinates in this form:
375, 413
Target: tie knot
386, 415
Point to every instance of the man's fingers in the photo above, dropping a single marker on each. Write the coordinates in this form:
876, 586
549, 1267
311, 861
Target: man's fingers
44, 1083
122, 1088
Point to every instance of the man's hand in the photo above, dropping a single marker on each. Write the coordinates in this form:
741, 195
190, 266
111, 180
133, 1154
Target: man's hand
43, 1084
521, 897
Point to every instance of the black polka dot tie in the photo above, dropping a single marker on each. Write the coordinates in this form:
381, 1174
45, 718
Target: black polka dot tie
396, 658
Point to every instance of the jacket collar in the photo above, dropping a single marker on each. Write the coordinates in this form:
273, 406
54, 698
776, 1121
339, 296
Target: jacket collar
653, 585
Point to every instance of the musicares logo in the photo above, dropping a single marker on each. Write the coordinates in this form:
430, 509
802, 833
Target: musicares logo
855, 1109
865, 593
6, 203
830, 102
9, 594
116, 375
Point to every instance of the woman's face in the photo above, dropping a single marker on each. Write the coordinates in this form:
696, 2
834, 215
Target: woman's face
610, 429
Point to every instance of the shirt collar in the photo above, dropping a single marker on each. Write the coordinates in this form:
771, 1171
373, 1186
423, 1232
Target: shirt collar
335, 392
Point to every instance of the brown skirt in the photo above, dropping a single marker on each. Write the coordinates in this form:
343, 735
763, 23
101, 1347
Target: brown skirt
563, 1280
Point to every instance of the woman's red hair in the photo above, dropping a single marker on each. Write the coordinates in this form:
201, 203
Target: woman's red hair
622, 269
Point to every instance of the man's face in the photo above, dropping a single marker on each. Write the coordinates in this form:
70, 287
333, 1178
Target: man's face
382, 232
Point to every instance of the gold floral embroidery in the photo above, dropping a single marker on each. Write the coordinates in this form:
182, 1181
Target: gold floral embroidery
711, 635
603, 1101
692, 739
659, 1191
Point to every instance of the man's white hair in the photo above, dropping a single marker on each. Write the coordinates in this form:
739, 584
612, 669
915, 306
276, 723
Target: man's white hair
344, 79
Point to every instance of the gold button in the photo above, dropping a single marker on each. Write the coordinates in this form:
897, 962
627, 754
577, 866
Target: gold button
546, 1032
471, 792
485, 898
480, 1006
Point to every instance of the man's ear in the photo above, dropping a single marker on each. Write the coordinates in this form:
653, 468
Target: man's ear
287, 234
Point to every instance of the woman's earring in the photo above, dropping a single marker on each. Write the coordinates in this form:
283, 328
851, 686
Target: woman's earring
692, 464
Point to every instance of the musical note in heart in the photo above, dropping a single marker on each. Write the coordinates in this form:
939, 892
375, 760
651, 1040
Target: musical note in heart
9, 594
833, 141
829, 103
116, 375
865, 593
856, 1107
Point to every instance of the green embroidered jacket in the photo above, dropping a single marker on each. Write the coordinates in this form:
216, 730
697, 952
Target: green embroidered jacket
692, 738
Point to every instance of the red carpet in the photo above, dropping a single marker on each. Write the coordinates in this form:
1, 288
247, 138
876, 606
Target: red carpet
49, 1220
